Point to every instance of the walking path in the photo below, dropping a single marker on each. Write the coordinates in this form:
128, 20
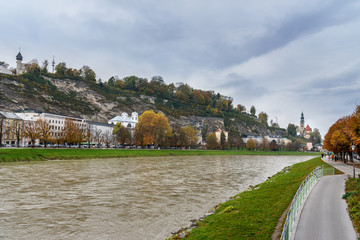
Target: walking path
324, 214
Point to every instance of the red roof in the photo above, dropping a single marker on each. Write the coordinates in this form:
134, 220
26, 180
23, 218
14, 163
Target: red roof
308, 128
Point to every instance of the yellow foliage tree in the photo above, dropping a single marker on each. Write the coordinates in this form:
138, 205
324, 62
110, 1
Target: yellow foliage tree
151, 129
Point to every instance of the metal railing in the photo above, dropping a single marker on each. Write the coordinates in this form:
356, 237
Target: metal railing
301, 193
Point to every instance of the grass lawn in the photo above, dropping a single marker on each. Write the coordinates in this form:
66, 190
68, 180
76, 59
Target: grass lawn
40, 154
254, 214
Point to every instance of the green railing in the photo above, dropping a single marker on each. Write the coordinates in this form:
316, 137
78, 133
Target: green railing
301, 193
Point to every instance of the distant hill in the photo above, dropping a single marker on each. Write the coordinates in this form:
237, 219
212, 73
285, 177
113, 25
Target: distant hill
76, 93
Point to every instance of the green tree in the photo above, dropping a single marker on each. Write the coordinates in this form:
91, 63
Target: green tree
263, 117
222, 140
315, 136
253, 110
204, 131
60, 69
291, 130
88, 74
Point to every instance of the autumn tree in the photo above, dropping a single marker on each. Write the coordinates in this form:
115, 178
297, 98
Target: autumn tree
43, 131
211, 141
121, 134
161, 129
72, 134
273, 145
190, 136
251, 144
31, 131
265, 144
152, 128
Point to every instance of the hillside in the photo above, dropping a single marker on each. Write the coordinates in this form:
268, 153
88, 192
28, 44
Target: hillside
77, 93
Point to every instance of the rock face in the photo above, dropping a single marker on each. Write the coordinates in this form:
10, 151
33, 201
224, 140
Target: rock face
77, 99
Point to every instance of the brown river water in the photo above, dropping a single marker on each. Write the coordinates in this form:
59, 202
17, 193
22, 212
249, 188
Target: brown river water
125, 199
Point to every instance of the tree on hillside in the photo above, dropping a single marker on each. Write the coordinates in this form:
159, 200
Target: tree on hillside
315, 136
253, 110
291, 130
88, 74
263, 117
60, 69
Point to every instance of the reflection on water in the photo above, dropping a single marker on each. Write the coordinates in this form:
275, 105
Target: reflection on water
133, 198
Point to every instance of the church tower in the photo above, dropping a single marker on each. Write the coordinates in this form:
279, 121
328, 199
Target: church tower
302, 123
20, 68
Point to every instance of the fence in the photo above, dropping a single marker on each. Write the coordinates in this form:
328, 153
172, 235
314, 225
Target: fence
301, 193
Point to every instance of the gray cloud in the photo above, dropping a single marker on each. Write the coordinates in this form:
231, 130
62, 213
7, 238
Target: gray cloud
203, 43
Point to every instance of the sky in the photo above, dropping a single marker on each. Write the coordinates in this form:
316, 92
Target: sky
283, 57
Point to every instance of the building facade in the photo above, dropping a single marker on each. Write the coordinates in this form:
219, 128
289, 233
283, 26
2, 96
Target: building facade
125, 120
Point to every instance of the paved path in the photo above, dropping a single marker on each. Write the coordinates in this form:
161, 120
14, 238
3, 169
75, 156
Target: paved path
324, 215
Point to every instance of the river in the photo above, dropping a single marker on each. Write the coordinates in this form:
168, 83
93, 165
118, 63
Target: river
128, 198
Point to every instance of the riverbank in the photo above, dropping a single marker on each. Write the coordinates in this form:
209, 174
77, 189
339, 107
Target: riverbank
254, 214
41, 154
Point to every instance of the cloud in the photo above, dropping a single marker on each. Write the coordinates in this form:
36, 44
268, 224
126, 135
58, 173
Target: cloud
282, 56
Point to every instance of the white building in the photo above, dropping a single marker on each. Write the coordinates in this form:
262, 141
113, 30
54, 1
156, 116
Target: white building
125, 120
5, 70
218, 135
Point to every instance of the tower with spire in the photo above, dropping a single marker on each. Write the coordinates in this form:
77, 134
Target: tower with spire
302, 123
20, 67
53, 64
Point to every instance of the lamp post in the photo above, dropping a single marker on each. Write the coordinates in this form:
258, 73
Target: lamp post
353, 148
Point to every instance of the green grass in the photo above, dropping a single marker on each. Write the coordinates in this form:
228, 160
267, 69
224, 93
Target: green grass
352, 196
40, 154
254, 214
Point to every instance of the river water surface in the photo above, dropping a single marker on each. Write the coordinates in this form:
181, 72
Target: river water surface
128, 198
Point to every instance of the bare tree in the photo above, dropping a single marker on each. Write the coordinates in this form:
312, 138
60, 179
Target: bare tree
108, 138
97, 136
2, 126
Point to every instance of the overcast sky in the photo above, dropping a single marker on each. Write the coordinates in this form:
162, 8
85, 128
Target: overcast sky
281, 56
